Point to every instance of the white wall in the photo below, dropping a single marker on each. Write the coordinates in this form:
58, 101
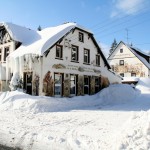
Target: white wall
131, 62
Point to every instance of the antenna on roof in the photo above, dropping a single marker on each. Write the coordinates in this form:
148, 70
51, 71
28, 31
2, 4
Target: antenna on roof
127, 36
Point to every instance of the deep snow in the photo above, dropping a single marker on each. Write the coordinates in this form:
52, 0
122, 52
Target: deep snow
116, 118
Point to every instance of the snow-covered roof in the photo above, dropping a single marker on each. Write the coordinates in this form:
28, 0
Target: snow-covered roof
37, 42
21, 34
140, 51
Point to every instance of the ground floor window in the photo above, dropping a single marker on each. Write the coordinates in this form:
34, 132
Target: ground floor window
86, 85
73, 85
122, 74
58, 86
97, 84
133, 74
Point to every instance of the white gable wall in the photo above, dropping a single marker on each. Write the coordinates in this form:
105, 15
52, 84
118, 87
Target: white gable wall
50, 60
131, 63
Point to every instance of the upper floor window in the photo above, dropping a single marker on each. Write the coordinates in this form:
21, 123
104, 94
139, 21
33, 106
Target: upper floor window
121, 50
74, 53
81, 37
0, 55
86, 56
59, 52
97, 60
121, 62
6, 52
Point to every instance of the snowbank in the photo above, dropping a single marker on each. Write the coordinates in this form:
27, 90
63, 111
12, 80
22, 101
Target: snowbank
83, 122
118, 94
144, 85
135, 133
114, 94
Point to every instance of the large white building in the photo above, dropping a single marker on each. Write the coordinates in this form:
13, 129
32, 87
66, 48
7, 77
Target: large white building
58, 61
129, 61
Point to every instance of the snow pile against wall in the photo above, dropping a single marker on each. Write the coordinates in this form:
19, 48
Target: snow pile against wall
118, 94
23, 102
114, 94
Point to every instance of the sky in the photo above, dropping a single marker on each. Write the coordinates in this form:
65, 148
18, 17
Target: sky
123, 20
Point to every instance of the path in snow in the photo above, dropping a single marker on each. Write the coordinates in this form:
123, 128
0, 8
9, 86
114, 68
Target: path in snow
89, 129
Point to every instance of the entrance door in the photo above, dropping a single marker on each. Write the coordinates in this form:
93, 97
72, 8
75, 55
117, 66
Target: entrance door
28, 82
58, 85
73, 85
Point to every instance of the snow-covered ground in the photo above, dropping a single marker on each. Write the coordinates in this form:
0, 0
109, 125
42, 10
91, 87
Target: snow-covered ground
117, 118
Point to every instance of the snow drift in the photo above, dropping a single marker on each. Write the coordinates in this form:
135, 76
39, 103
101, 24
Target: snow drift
114, 94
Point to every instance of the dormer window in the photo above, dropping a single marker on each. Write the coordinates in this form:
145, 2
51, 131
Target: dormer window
121, 50
59, 52
81, 37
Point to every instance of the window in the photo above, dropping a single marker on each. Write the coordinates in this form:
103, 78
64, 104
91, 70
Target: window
133, 74
121, 62
86, 84
86, 56
122, 74
121, 50
0, 55
59, 51
81, 37
97, 60
97, 84
73, 85
74, 53
6, 52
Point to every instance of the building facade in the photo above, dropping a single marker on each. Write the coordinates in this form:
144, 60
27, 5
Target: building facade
59, 61
128, 61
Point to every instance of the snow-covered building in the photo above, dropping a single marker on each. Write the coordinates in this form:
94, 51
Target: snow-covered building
64, 60
129, 61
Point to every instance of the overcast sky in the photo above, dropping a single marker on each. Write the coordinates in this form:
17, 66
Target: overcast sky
126, 20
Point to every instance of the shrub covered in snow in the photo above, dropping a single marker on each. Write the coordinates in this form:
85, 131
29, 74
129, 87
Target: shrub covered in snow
16, 82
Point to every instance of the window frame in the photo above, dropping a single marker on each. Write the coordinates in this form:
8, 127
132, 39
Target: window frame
87, 85
81, 37
98, 60
97, 85
0, 54
133, 74
6, 52
121, 50
87, 55
121, 62
122, 74
60, 52
76, 55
